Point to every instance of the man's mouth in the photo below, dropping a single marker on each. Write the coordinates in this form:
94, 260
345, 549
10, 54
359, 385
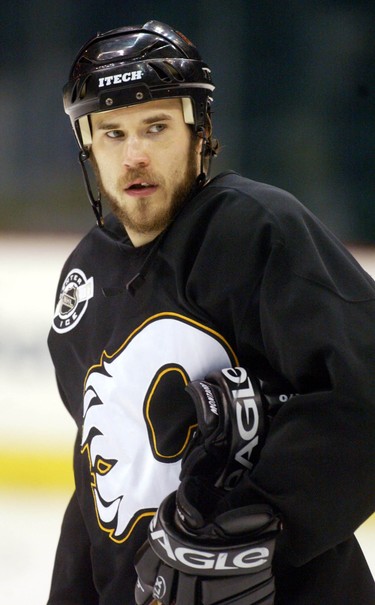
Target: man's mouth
141, 188
140, 185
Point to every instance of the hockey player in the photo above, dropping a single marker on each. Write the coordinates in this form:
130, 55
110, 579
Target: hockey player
214, 343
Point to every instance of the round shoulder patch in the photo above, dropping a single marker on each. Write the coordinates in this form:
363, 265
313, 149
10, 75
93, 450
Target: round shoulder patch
74, 297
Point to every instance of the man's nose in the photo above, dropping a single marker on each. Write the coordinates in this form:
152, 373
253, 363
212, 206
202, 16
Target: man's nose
135, 154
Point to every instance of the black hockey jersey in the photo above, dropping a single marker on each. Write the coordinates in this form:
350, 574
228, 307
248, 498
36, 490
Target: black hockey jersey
244, 276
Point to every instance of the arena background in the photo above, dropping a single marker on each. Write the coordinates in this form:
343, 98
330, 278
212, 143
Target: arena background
294, 106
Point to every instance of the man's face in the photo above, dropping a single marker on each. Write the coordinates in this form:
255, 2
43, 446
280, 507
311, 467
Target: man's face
146, 161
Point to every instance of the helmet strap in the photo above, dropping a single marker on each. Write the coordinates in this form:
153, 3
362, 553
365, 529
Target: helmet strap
204, 174
95, 202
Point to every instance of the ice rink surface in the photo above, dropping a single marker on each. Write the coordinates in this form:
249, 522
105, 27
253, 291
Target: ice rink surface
36, 433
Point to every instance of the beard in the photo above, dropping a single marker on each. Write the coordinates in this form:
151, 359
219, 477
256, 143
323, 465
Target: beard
139, 219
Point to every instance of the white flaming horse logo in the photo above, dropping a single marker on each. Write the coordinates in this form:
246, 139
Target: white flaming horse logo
126, 413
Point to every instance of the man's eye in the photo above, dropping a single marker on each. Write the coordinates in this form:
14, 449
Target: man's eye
114, 134
156, 128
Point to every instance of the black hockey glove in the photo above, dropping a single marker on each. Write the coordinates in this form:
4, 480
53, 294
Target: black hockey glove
232, 417
226, 562
199, 555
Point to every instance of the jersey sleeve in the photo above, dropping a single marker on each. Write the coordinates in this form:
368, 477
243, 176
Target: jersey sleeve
72, 575
298, 308
317, 466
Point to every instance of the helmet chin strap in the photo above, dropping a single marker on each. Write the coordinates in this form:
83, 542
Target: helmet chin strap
203, 177
94, 201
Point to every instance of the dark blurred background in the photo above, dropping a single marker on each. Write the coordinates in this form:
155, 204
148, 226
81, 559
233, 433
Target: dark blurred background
294, 104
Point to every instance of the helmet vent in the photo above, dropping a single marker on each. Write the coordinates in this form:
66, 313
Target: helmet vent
83, 90
79, 90
73, 97
166, 71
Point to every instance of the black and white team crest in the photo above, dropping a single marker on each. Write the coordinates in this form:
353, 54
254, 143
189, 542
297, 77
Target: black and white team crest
75, 294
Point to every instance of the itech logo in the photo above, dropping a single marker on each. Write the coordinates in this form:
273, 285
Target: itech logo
127, 76
160, 588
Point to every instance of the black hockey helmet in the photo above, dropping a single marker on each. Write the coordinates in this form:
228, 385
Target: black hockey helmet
136, 64
131, 65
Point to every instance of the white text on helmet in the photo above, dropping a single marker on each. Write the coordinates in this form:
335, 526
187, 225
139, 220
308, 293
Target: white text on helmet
127, 76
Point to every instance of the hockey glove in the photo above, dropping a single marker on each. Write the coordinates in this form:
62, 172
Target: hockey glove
233, 418
228, 561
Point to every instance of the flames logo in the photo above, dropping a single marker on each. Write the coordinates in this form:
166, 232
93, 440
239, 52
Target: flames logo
138, 418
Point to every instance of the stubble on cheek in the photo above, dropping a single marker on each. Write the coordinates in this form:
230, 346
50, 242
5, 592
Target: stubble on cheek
148, 214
